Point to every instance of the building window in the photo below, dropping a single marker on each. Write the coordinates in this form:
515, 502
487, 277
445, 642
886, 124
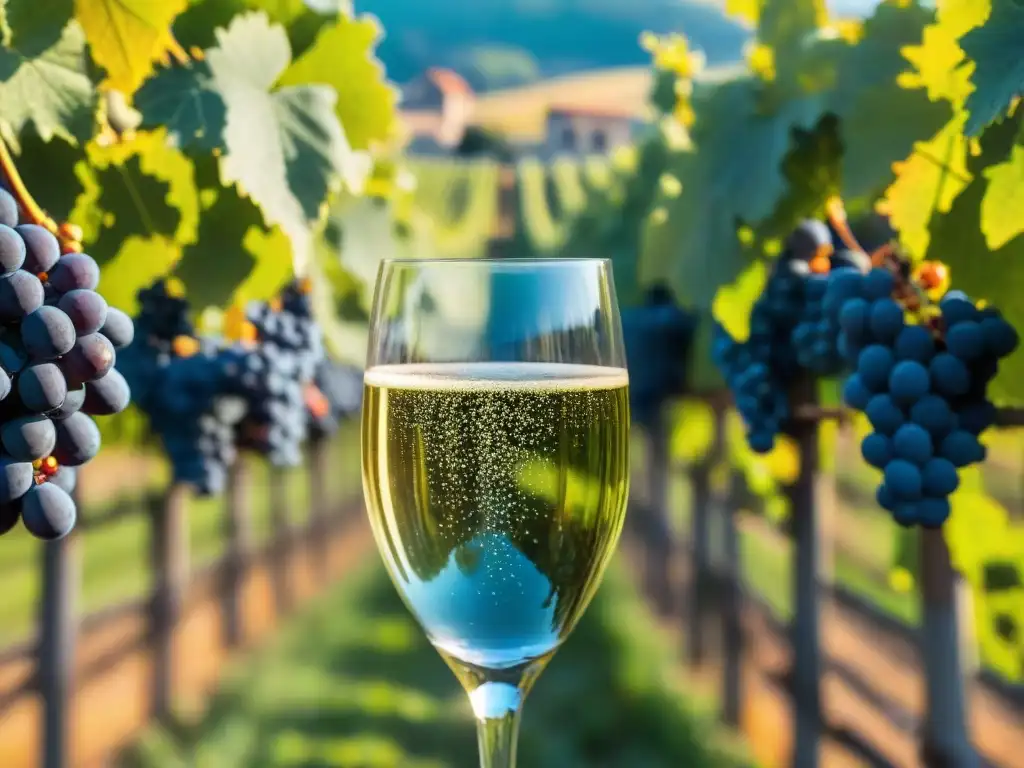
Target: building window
599, 141
568, 138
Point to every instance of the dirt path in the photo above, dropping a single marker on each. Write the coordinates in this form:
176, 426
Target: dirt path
110, 709
872, 691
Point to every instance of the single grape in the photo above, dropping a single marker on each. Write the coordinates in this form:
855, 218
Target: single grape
108, 395
966, 340
28, 438
119, 328
13, 356
853, 318
957, 308
939, 477
73, 403
809, 236
933, 512
878, 284
877, 450
874, 366
12, 249
886, 320
885, 416
10, 514
977, 417
47, 333
42, 388
8, 209
16, 477
904, 513
949, 375
913, 443
41, 248
855, 393
78, 440
20, 294
1000, 337
65, 478
75, 270
908, 382
761, 441
48, 512
6, 385
933, 413
961, 448
903, 480
915, 342
87, 310
885, 498
91, 357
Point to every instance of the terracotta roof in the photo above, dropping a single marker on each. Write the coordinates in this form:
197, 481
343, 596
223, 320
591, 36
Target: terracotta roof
581, 111
451, 83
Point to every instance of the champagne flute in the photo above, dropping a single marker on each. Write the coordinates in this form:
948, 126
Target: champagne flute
495, 452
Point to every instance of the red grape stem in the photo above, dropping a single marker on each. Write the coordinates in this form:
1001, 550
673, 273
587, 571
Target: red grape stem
32, 212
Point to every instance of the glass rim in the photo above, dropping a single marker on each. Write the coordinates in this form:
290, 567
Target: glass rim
529, 260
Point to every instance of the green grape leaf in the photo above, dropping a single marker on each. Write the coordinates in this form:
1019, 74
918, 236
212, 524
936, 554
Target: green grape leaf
142, 188
342, 56
197, 25
285, 148
127, 36
734, 178
995, 275
733, 303
1004, 199
868, 88
5, 30
997, 50
49, 169
234, 257
44, 81
138, 262
927, 184
187, 102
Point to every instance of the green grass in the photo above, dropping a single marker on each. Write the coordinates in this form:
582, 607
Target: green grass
353, 684
115, 557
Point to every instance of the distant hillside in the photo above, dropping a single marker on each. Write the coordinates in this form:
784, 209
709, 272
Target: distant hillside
520, 113
496, 43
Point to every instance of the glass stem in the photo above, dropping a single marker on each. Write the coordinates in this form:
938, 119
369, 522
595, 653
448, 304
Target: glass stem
498, 707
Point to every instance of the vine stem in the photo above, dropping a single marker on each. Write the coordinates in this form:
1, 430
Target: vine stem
67, 235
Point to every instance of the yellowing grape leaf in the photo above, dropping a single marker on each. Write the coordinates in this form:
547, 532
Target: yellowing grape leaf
44, 81
927, 183
733, 303
748, 10
342, 56
139, 261
938, 66
1001, 219
692, 430
143, 187
127, 36
997, 49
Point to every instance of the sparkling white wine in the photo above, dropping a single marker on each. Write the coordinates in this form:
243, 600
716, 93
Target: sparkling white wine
497, 493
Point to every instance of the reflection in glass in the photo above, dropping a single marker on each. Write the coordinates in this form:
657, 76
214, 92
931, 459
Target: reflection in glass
495, 461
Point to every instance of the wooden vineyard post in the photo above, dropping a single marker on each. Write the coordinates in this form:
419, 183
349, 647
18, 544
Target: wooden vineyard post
700, 538
657, 531
733, 640
239, 547
945, 741
55, 660
806, 668
281, 541
171, 567
320, 518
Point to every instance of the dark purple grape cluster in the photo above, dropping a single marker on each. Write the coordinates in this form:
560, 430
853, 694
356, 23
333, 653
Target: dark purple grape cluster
659, 337
276, 372
57, 352
791, 332
181, 383
336, 393
923, 387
